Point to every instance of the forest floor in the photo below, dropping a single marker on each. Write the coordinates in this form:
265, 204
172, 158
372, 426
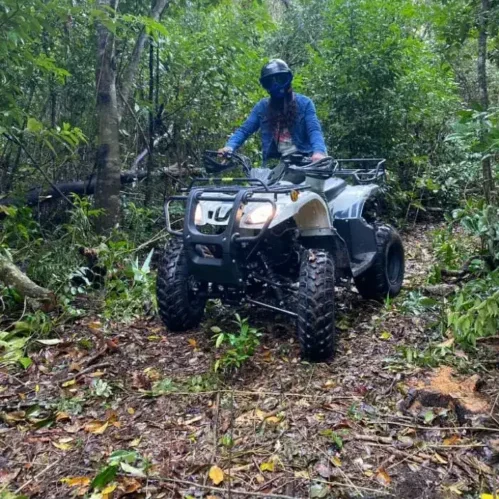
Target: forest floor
277, 427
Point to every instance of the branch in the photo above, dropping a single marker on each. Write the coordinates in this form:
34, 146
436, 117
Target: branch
11, 276
131, 70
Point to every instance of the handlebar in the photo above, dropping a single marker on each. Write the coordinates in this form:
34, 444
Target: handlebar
322, 168
228, 161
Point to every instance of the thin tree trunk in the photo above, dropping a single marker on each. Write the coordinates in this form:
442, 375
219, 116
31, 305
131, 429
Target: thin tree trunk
150, 159
130, 72
483, 17
107, 192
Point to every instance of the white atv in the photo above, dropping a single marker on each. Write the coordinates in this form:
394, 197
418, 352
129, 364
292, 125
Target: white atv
279, 239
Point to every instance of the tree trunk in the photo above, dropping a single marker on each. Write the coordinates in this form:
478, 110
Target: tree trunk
10, 275
130, 72
107, 192
150, 159
483, 18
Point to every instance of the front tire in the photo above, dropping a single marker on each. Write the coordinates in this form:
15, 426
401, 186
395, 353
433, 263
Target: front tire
385, 276
180, 306
316, 327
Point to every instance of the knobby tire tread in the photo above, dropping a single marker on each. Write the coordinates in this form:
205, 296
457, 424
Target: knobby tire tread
176, 310
316, 318
373, 284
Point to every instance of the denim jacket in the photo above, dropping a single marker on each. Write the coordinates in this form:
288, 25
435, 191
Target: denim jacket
306, 132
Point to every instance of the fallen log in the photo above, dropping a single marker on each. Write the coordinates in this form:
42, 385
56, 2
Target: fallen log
82, 187
11, 276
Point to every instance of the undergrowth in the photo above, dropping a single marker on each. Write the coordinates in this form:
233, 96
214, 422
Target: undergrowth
113, 275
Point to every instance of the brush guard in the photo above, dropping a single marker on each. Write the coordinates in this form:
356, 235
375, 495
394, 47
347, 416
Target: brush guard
223, 267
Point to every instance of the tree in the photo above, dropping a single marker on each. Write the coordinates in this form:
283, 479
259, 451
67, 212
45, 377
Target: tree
107, 192
484, 12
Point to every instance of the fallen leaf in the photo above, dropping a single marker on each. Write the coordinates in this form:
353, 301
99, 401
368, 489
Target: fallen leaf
452, 440
74, 428
62, 416
131, 411
192, 342
267, 466
7, 477
109, 489
383, 477
260, 478
385, 335
76, 481
130, 485
152, 374
488, 496
330, 384
62, 445
95, 325
71, 382
96, 374
216, 475
13, 417
447, 343
336, 461
50, 342
439, 458
318, 491
302, 474
135, 442
273, 419
128, 468
369, 473
96, 427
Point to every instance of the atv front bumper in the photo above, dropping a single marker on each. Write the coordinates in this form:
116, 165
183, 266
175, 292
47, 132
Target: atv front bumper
222, 264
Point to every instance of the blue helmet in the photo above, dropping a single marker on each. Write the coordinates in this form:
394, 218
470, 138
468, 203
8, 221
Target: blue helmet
276, 78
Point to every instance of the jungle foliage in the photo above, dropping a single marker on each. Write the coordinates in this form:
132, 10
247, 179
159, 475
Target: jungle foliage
415, 82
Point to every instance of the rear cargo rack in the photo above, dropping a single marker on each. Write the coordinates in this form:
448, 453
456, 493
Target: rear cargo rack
363, 175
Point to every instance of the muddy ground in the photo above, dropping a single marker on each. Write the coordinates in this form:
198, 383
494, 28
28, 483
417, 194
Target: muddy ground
278, 427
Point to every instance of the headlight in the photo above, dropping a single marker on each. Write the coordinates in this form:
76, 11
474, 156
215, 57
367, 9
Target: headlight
259, 215
198, 215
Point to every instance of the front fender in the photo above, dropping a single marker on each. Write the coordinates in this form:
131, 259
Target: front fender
309, 211
350, 202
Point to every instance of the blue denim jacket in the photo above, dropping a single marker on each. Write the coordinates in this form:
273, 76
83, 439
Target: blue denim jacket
306, 133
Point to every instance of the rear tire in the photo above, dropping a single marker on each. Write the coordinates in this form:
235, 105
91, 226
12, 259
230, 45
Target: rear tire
179, 306
385, 276
316, 328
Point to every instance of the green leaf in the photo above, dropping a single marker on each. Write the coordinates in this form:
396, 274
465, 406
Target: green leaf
429, 416
122, 456
104, 477
25, 362
132, 470
33, 125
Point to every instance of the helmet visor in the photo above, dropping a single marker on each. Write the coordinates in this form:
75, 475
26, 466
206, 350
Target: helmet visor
278, 80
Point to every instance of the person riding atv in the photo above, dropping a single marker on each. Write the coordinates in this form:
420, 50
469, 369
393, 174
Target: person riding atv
281, 239
287, 120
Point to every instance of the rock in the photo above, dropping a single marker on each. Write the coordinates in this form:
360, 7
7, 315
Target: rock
443, 388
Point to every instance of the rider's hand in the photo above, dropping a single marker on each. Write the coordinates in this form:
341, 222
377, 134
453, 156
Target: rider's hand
224, 151
317, 156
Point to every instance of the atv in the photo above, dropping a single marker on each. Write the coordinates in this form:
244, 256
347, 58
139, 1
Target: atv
279, 239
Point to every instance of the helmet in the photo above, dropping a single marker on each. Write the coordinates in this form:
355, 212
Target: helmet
276, 78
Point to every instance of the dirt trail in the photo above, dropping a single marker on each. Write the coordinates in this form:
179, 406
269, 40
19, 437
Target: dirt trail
278, 427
